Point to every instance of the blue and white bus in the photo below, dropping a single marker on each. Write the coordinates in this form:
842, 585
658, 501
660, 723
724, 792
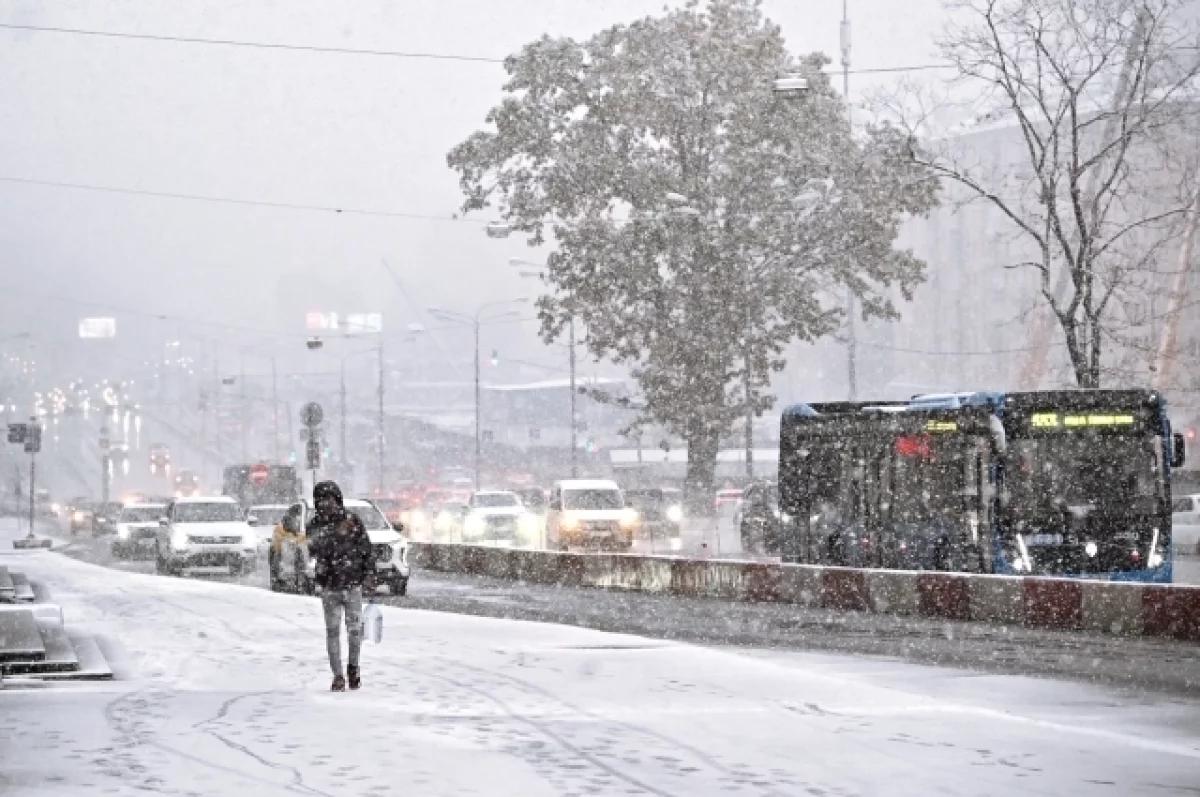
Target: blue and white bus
1046, 482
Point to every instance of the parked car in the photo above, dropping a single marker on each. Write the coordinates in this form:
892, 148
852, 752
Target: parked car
79, 514
660, 511
758, 519
205, 535
498, 517
291, 568
104, 518
1185, 524
264, 518
137, 530
589, 513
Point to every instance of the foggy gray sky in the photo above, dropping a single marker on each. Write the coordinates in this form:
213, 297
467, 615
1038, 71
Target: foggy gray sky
350, 131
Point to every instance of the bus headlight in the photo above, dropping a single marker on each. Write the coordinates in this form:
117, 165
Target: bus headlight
569, 522
1091, 549
122, 532
675, 513
179, 540
629, 518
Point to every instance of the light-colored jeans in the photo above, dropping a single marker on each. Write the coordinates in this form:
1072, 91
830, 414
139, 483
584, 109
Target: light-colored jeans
335, 602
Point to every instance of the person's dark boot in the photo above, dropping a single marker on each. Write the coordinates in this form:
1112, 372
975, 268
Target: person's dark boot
339, 684
354, 676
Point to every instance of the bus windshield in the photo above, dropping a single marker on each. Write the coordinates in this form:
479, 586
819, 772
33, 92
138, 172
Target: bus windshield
1115, 471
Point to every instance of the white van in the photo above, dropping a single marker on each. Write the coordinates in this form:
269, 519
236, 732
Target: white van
1185, 524
589, 513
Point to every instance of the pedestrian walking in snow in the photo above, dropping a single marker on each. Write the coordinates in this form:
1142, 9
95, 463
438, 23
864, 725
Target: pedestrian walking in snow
341, 551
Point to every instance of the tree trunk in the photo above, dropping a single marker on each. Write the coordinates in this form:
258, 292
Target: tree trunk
702, 441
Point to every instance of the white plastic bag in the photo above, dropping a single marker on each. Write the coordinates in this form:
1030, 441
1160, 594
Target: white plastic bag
372, 618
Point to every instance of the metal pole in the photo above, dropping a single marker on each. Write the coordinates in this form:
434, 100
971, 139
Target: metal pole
274, 411
380, 436
242, 382
574, 423
851, 330
32, 487
477, 431
342, 416
749, 415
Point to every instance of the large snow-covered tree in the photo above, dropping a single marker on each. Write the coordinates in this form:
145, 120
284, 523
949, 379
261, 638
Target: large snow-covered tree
700, 222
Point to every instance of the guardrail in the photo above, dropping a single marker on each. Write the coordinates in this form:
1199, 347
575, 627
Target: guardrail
1052, 603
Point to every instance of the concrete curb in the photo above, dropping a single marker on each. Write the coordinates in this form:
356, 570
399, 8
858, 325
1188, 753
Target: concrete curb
1049, 603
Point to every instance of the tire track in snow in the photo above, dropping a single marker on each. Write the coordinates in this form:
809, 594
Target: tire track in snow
700, 756
298, 783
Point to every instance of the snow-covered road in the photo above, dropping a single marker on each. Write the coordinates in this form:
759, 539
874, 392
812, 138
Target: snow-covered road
226, 693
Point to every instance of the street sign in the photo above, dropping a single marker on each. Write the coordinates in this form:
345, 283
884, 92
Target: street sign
33, 440
313, 451
312, 414
17, 432
259, 475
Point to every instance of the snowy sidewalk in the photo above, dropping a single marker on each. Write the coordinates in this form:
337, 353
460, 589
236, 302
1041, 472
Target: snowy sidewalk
227, 694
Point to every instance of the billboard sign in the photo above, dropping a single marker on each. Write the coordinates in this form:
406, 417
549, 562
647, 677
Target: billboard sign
91, 328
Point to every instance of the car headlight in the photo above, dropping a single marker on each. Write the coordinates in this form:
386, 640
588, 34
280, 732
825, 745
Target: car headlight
675, 513
474, 525
443, 521
528, 524
122, 532
629, 518
179, 539
569, 522
415, 518
77, 516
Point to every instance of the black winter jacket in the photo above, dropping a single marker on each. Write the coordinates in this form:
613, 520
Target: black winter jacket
341, 551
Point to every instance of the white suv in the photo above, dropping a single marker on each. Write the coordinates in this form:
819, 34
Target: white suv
589, 513
205, 535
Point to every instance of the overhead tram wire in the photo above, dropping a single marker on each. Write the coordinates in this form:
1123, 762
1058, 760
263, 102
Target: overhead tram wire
330, 50
111, 189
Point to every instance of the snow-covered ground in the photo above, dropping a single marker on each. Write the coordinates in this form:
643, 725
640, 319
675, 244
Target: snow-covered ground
225, 692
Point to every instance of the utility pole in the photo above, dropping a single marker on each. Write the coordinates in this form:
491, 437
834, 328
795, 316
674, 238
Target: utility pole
574, 420
342, 417
478, 449
749, 411
244, 413
851, 308
380, 442
274, 411
105, 462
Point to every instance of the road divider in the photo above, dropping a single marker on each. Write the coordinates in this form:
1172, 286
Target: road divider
1051, 603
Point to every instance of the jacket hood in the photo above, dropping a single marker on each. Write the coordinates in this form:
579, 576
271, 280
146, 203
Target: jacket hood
328, 489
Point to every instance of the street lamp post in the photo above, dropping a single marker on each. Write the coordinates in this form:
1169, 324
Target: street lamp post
517, 262
476, 321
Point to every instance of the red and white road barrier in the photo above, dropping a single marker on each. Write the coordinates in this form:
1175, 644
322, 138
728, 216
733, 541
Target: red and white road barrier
1051, 603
